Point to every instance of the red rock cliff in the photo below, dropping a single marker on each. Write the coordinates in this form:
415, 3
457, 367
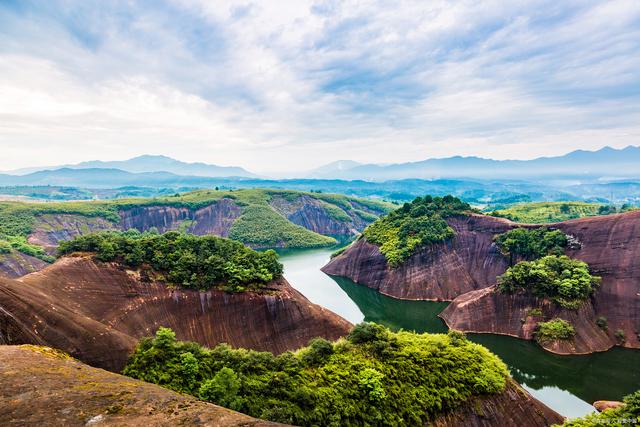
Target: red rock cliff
97, 312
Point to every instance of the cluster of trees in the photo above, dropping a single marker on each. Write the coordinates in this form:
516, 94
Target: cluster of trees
200, 262
531, 243
564, 280
555, 329
373, 377
419, 223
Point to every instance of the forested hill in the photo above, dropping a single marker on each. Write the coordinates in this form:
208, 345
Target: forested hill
260, 218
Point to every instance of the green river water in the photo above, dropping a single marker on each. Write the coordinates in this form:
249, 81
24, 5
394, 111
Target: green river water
567, 384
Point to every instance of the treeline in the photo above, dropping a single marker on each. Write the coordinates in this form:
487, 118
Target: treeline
198, 262
373, 377
417, 224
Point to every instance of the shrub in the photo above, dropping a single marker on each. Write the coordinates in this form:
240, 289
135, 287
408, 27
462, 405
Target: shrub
422, 376
531, 243
555, 329
417, 224
620, 336
602, 323
627, 414
564, 280
200, 262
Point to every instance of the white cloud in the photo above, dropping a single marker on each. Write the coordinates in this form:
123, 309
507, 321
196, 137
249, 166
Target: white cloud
270, 85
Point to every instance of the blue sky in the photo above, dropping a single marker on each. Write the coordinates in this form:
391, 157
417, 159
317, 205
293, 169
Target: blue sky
290, 85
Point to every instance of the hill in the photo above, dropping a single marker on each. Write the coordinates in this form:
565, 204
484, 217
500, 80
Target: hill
259, 218
149, 163
43, 386
604, 163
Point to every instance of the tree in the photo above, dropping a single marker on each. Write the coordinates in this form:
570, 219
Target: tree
222, 388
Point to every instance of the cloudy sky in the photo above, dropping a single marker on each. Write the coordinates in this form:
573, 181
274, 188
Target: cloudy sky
288, 85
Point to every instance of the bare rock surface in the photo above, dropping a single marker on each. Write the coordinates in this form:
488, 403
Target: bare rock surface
98, 311
41, 386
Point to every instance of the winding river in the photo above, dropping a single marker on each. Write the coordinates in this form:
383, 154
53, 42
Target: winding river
567, 384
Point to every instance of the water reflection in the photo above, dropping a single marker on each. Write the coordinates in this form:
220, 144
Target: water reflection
565, 383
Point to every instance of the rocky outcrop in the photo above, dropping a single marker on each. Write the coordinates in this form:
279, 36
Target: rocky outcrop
97, 312
470, 262
603, 405
443, 271
216, 218
50, 229
489, 311
16, 264
41, 386
513, 407
313, 214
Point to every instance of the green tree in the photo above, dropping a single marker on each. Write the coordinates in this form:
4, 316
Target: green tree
222, 388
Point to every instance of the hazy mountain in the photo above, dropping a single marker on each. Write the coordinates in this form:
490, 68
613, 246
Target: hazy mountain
606, 163
149, 163
330, 169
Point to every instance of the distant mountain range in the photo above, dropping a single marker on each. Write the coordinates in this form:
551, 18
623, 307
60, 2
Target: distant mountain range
608, 163
149, 163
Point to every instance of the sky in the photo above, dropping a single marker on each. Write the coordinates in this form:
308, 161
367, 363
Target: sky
291, 85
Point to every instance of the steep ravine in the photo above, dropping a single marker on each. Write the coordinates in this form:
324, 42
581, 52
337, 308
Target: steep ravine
97, 312
465, 269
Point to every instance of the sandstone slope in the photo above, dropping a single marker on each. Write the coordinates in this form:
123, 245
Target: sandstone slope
41, 386
97, 312
465, 269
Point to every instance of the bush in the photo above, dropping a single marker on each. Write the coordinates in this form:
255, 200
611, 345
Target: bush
629, 412
531, 243
564, 280
620, 336
417, 224
200, 262
556, 329
422, 376
602, 323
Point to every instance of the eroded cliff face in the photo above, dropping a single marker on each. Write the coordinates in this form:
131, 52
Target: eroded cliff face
513, 407
39, 386
312, 214
216, 218
97, 312
465, 270
443, 271
16, 264
50, 229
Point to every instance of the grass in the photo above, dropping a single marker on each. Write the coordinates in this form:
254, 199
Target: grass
258, 225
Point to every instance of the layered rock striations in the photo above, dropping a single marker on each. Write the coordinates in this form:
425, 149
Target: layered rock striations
97, 312
465, 268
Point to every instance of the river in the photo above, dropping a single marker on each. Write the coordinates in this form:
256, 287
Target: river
568, 384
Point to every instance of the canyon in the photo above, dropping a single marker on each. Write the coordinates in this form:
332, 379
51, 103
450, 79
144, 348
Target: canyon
464, 270
98, 311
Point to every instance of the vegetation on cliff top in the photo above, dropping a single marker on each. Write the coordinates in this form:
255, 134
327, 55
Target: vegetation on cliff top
373, 377
545, 212
419, 223
258, 225
564, 280
531, 243
199, 262
625, 415
553, 330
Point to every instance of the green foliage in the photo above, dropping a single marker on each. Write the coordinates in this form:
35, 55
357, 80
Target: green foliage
349, 382
545, 212
602, 323
531, 243
564, 280
620, 336
200, 262
261, 226
555, 329
417, 224
625, 415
